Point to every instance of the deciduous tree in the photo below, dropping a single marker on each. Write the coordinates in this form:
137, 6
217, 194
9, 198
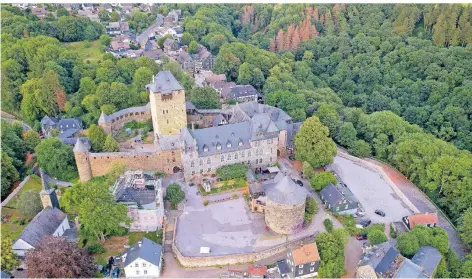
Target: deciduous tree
322, 179
9, 259
313, 143
56, 158
54, 257
29, 203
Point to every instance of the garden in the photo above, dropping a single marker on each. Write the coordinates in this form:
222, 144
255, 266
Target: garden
15, 220
135, 128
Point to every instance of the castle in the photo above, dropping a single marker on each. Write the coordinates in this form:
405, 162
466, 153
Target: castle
249, 133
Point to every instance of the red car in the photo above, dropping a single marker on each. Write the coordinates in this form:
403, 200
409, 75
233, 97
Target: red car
361, 237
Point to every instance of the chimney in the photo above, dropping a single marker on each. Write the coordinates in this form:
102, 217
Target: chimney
193, 126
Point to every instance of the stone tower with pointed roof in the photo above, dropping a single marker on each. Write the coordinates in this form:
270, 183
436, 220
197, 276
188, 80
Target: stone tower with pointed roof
167, 100
47, 194
285, 206
82, 159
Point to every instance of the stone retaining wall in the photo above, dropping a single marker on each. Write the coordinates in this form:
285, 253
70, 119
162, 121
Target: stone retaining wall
383, 175
232, 259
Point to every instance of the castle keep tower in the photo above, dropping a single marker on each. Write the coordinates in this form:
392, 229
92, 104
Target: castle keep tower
81, 153
167, 99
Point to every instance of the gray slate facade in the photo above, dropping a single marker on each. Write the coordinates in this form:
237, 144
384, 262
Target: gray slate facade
339, 199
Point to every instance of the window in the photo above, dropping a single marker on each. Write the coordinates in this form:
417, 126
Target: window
228, 144
347, 205
222, 158
192, 164
209, 169
300, 266
136, 264
249, 153
312, 269
260, 161
269, 141
137, 272
337, 208
218, 146
208, 161
205, 148
144, 264
270, 159
229, 157
193, 172
236, 156
300, 272
201, 162
240, 142
312, 264
145, 271
242, 154
201, 170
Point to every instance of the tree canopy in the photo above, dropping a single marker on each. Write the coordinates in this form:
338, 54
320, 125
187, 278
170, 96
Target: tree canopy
56, 158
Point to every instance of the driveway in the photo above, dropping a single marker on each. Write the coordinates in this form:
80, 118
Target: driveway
421, 202
371, 191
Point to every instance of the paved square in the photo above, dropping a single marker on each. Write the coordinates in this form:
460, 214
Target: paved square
371, 191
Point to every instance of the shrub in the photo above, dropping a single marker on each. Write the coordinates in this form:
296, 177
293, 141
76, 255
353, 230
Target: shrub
174, 194
328, 225
205, 202
232, 171
376, 237
120, 231
407, 244
96, 248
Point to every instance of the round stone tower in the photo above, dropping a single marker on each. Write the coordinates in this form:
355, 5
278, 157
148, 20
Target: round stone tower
285, 207
82, 159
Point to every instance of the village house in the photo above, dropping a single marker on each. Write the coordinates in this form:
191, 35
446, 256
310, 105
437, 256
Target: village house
170, 45
242, 93
300, 262
116, 28
210, 80
223, 87
65, 127
339, 199
142, 193
50, 221
203, 60
119, 45
39, 12
143, 259
427, 219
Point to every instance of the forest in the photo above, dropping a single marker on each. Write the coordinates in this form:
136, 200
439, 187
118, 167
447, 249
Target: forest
389, 81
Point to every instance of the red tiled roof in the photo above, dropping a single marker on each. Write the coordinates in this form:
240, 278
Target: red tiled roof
253, 270
306, 254
423, 219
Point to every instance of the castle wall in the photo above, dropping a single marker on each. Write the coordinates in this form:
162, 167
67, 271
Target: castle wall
102, 163
117, 120
283, 218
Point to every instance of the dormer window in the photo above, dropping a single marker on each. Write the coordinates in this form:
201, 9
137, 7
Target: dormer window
228, 144
240, 142
205, 148
218, 146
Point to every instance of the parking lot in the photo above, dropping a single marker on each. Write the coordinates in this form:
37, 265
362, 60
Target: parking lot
371, 191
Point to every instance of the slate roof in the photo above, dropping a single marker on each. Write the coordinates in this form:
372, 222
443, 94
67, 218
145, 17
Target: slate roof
386, 261
43, 224
239, 91
49, 120
80, 146
73, 141
331, 194
154, 54
224, 86
5, 275
149, 251
287, 192
428, 258
214, 78
141, 197
409, 270
213, 137
164, 82
283, 267
374, 257
105, 118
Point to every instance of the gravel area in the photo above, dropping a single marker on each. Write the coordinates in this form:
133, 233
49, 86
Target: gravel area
371, 191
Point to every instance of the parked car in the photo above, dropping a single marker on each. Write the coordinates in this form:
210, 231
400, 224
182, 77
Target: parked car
106, 271
299, 182
380, 212
116, 272
365, 223
361, 236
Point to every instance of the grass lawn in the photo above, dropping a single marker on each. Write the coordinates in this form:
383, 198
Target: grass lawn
114, 246
92, 53
17, 221
136, 236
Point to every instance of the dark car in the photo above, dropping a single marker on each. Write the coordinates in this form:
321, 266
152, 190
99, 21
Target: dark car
365, 223
106, 271
299, 182
361, 236
115, 272
380, 212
